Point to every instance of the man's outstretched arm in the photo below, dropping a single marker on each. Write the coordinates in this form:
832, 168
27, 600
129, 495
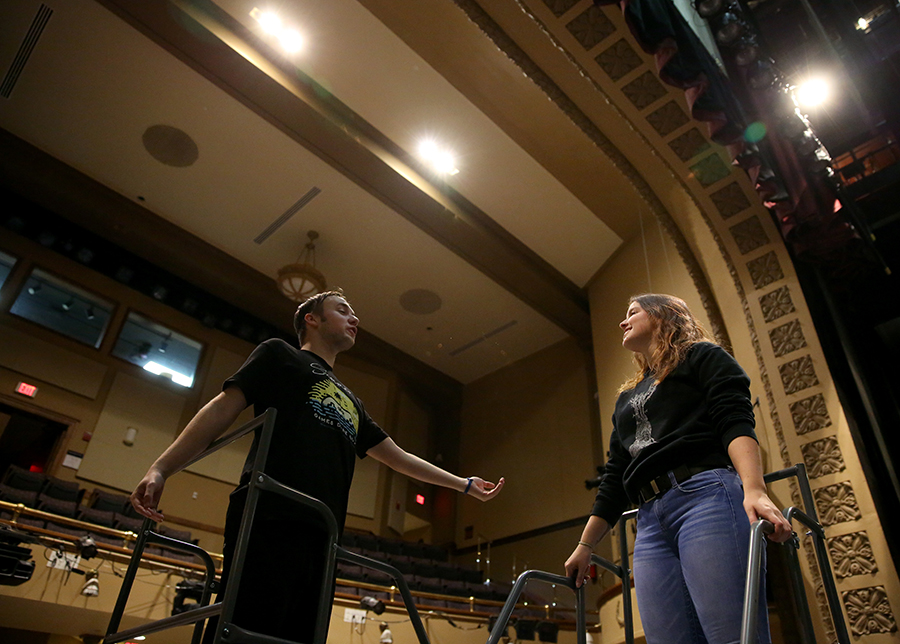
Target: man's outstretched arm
399, 460
208, 424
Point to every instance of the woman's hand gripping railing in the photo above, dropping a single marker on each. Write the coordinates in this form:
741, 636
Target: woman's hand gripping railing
516, 592
147, 535
754, 568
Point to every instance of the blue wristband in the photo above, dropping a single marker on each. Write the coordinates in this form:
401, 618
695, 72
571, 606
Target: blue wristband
468, 485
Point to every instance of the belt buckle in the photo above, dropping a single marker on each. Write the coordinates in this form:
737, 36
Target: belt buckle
654, 487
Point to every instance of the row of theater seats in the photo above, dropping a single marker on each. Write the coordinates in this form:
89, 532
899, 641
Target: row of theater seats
426, 568
66, 499
358, 542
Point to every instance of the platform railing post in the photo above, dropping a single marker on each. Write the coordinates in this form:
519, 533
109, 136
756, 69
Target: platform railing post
627, 607
414, 618
750, 615
236, 565
128, 580
509, 605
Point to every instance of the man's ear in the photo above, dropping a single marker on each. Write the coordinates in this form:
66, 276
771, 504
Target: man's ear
312, 320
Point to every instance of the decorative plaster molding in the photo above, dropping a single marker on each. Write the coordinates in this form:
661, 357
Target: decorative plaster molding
810, 414
749, 235
619, 60
837, 504
798, 375
869, 611
777, 304
787, 338
667, 118
591, 27
765, 270
851, 555
730, 200
823, 457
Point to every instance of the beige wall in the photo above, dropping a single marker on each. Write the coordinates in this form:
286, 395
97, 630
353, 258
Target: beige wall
99, 396
529, 422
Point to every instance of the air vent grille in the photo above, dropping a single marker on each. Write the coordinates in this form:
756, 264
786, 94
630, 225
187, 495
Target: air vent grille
290, 212
25, 48
486, 336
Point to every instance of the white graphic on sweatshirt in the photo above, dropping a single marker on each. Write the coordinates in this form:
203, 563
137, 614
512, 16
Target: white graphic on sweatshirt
643, 435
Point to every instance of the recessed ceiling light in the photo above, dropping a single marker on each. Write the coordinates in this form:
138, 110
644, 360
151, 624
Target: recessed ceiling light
269, 22
289, 38
441, 160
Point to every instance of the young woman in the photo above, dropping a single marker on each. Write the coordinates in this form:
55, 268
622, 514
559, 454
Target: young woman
684, 450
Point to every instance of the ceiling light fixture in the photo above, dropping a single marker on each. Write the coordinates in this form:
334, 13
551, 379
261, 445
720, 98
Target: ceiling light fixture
441, 160
302, 279
290, 39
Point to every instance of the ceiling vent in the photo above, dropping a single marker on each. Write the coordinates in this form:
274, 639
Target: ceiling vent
290, 212
486, 336
25, 48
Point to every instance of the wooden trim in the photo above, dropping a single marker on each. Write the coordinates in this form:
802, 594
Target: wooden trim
196, 525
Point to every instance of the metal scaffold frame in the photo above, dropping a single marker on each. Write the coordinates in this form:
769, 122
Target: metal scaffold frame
259, 482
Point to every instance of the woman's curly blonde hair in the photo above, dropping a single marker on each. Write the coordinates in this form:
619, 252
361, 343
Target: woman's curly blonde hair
675, 331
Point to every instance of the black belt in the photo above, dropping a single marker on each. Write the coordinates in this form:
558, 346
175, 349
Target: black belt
662, 484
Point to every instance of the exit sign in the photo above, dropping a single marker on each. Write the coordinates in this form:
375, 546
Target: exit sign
26, 390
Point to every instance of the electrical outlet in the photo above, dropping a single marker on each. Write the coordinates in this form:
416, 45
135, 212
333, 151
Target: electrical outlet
354, 615
63, 560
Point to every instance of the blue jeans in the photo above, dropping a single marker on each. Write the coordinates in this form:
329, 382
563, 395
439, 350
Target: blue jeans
690, 562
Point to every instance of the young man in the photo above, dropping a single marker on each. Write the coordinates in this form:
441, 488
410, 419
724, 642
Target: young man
320, 429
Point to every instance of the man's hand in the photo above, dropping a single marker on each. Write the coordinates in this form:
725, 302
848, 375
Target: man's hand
485, 490
146, 495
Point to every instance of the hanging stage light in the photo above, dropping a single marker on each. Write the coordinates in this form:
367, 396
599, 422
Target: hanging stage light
746, 50
372, 604
710, 8
730, 29
762, 75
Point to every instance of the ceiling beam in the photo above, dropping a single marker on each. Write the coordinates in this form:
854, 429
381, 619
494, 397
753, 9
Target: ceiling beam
247, 69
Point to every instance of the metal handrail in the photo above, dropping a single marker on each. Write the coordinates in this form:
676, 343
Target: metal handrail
758, 542
148, 535
517, 589
346, 555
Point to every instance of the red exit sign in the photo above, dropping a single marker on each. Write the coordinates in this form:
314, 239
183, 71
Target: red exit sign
26, 390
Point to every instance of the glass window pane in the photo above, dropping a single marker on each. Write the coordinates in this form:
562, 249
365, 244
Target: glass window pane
63, 307
158, 349
6, 264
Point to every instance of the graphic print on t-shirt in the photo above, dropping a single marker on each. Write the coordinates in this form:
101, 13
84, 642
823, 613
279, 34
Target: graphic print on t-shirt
333, 407
643, 436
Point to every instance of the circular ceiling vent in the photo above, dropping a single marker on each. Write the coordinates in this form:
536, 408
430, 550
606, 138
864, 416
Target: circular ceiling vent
170, 145
420, 301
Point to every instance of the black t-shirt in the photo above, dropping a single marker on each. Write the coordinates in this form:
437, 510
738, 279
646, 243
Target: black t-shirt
320, 427
689, 419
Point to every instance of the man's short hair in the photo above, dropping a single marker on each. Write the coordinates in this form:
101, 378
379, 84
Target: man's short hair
314, 305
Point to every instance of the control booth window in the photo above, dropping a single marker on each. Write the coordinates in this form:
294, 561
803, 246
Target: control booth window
6, 265
63, 307
158, 349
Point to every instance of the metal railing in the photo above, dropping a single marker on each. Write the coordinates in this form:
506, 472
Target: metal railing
754, 566
621, 571
758, 543
226, 630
